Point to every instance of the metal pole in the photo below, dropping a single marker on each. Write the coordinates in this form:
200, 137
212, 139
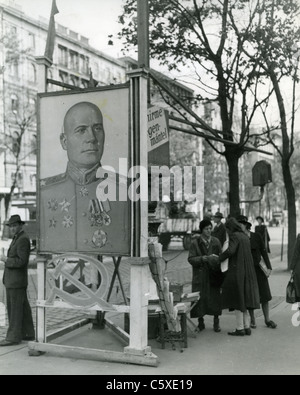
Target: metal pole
139, 286
143, 33
282, 240
143, 39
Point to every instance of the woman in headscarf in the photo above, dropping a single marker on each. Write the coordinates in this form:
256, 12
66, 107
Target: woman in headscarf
207, 277
240, 288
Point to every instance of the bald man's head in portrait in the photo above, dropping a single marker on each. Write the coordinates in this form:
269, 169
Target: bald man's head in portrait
83, 135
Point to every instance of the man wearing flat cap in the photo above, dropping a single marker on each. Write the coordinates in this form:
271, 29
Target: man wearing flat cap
219, 230
15, 279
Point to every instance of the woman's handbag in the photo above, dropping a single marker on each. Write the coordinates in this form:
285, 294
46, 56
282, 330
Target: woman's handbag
291, 291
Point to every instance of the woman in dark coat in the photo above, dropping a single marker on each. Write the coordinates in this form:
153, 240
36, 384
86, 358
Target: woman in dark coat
263, 231
239, 289
259, 252
207, 277
295, 267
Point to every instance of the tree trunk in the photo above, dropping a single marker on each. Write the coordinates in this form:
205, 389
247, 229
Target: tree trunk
232, 158
8, 200
287, 151
291, 207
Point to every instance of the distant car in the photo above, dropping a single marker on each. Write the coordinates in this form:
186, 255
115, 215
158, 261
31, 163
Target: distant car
274, 222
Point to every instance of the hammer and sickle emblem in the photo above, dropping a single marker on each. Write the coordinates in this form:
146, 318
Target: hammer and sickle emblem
88, 298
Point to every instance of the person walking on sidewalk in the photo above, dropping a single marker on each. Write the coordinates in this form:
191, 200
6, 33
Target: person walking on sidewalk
239, 289
219, 230
262, 229
259, 252
207, 277
15, 279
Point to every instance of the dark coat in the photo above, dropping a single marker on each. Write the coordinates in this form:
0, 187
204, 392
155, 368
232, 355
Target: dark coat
295, 267
205, 279
258, 251
16, 266
240, 288
219, 232
263, 231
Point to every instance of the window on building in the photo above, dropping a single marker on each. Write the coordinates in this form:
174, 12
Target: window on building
13, 30
84, 84
95, 70
83, 64
74, 59
14, 100
62, 56
19, 180
32, 73
73, 81
32, 104
14, 68
31, 40
63, 76
33, 143
107, 75
119, 78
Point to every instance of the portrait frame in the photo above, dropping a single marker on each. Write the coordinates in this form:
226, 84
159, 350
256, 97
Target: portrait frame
70, 216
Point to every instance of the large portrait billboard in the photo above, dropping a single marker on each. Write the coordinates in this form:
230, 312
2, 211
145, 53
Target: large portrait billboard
84, 151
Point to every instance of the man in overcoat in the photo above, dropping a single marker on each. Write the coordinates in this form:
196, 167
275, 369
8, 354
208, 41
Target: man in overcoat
15, 279
219, 230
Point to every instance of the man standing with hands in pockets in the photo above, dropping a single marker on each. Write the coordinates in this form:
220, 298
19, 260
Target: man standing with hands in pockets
15, 279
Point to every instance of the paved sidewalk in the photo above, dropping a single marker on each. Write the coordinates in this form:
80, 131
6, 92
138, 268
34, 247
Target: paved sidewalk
267, 351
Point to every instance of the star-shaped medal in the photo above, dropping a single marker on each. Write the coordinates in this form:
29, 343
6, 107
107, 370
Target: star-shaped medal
65, 205
84, 192
53, 204
52, 223
68, 221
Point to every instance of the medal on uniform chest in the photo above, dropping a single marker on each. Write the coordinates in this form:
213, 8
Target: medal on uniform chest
98, 209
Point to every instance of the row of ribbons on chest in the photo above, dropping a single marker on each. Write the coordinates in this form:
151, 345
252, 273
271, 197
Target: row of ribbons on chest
99, 212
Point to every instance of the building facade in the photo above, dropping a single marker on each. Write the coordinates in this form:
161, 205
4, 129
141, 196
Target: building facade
22, 39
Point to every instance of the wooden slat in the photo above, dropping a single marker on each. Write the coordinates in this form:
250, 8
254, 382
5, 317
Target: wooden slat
67, 329
149, 359
64, 305
117, 330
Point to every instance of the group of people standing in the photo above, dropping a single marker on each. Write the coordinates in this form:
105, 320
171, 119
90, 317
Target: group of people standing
226, 270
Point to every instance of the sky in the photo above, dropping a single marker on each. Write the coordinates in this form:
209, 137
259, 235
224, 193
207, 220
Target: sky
95, 19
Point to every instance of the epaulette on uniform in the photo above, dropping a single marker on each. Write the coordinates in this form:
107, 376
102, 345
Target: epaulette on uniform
53, 180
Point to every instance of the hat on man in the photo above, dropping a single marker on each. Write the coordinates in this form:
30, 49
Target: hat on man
15, 219
243, 220
259, 217
218, 215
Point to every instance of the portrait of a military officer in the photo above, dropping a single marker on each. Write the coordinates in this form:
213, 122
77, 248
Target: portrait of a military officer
73, 214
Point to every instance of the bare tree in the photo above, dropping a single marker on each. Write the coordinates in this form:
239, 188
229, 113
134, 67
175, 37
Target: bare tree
205, 36
13, 140
272, 44
19, 116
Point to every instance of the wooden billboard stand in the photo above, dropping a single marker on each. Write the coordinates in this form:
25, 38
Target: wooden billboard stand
138, 351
